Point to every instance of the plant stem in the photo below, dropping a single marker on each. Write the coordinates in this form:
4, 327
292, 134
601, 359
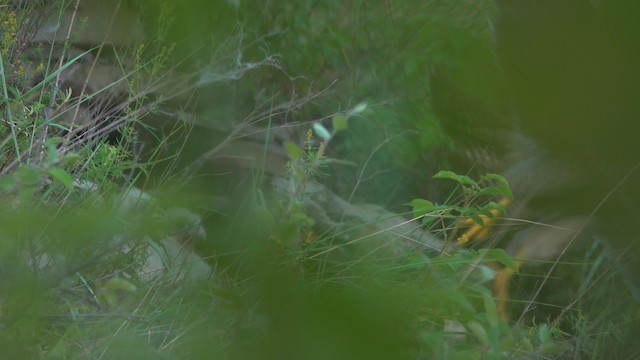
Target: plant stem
5, 95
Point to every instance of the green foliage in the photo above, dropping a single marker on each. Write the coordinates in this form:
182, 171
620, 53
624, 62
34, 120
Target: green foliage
76, 235
475, 204
498, 256
489, 185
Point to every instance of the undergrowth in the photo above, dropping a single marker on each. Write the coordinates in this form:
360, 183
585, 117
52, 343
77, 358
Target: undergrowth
110, 247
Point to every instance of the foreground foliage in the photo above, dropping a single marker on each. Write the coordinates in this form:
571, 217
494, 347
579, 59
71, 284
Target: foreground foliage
113, 246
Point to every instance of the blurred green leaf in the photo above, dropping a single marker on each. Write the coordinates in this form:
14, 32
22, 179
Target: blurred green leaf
71, 157
340, 122
486, 209
477, 219
321, 131
293, 150
499, 256
109, 292
503, 185
478, 331
61, 176
120, 284
421, 207
359, 108
495, 191
462, 179
52, 152
490, 309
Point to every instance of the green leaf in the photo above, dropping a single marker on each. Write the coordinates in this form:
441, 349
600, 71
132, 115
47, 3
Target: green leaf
115, 284
490, 309
293, 150
321, 131
477, 219
494, 178
339, 122
61, 176
485, 274
421, 207
495, 191
478, 331
494, 206
462, 179
544, 334
499, 256
71, 157
503, 184
52, 152
109, 291
359, 108
486, 212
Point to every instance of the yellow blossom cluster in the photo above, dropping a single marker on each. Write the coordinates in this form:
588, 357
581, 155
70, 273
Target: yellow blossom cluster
9, 29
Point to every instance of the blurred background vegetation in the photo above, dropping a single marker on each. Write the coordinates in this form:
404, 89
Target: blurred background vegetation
271, 279
382, 53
